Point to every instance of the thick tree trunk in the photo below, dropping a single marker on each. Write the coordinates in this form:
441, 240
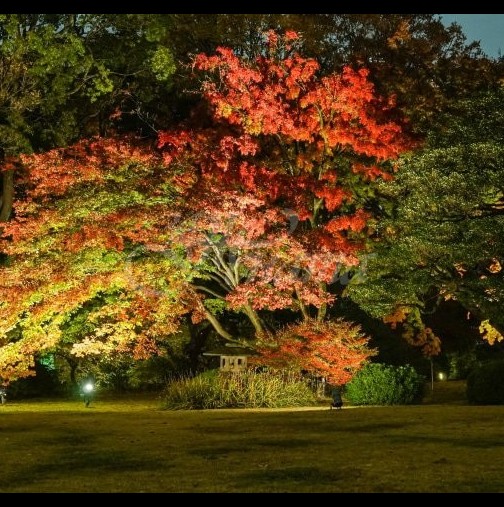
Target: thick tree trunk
249, 312
7, 197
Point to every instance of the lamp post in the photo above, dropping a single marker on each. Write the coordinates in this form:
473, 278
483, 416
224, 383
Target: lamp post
87, 389
432, 374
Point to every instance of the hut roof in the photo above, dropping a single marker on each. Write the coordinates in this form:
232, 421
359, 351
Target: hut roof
231, 349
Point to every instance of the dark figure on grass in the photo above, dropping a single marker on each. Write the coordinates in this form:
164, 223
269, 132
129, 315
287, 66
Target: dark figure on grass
337, 401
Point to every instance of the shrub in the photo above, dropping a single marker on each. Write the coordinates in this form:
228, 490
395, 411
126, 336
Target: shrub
485, 384
461, 364
381, 384
43, 384
247, 389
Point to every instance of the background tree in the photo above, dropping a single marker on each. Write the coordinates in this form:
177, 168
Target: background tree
441, 236
63, 76
414, 56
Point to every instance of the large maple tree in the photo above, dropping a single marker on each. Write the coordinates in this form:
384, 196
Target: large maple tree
256, 204
285, 178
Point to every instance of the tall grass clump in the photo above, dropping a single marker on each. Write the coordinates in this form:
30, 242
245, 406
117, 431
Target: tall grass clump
247, 389
381, 384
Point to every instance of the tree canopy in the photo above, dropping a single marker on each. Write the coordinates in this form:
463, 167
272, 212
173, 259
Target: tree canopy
116, 225
443, 224
228, 170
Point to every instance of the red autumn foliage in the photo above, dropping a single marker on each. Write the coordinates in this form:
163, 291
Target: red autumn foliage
260, 195
333, 349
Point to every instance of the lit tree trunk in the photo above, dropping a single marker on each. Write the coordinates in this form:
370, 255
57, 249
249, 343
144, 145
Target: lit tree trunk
7, 196
249, 312
323, 308
217, 326
302, 307
254, 318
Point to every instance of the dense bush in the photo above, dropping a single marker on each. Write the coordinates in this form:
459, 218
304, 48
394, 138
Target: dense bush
485, 384
461, 364
381, 384
43, 384
248, 389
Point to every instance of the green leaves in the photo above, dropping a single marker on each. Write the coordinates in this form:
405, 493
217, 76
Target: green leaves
446, 227
163, 64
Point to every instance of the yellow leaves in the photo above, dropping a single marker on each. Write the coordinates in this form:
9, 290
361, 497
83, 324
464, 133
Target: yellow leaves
304, 163
460, 269
489, 333
401, 35
89, 347
108, 338
447, 294
398, 316
225, 110
15, 364
495, 266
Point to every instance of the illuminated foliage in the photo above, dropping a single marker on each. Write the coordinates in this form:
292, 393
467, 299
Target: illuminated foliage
254, 207
443, 224
89, 234
283, 178
333, 349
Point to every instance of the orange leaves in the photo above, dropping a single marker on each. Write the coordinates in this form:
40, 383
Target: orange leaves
489, 333
54, 172
92, 237
413, 329
371, 172
333, 196
280, 133
495, 266
355, 222
292, 120
334, 349
401, 35
397, 317
9, 163
175, 142
425, 339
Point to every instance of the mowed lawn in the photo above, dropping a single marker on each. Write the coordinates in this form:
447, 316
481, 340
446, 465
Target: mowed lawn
131, 445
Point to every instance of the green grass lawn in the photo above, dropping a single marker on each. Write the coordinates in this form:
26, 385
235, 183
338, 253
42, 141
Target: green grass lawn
130, 445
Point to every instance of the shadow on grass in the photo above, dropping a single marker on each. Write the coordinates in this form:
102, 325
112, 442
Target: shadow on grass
87, 463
